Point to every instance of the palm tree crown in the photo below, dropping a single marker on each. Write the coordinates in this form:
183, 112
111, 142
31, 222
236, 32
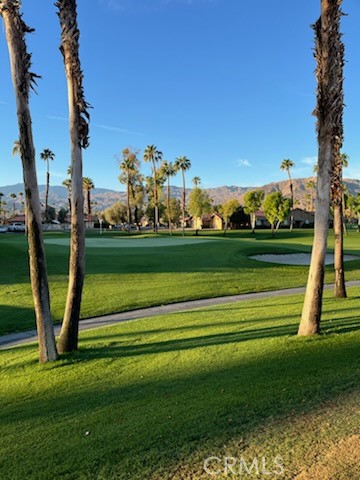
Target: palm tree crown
46, 155
182, 163
286, 165
152, 154
196, 181
168, 169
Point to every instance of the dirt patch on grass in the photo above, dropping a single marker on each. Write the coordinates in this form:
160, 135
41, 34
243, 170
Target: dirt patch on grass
341, 462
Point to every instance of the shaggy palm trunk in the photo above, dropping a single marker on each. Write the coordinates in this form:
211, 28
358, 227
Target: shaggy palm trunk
20, 63
339, 285
78, 118
337, 195
329, 56
183, 203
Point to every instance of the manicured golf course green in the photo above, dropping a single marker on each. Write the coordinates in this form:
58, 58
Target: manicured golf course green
149, 271
152, 399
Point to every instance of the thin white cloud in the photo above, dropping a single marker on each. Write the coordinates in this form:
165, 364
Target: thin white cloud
145, 6
102, 126
3, 103
243, 162
117, 129
54, 117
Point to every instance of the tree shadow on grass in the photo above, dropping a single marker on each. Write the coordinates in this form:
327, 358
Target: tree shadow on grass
16, 319
244, 334
159, 417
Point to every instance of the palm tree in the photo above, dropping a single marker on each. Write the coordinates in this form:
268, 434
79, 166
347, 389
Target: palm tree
338, 202
88, 185
287, 164
14, 197
129, 169
153, 155
311, 185
47, 155
23, 80
79, 137
67, 184
196, 181
329, 54
183, 164
168, 170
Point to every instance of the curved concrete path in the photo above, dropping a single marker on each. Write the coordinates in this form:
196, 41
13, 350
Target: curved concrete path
14, 339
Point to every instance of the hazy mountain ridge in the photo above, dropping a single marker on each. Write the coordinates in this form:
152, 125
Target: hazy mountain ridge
103, 198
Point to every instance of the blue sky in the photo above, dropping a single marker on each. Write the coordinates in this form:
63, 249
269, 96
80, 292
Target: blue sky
228, 83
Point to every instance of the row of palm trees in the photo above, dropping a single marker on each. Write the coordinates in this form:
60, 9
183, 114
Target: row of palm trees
161, 172
88, 185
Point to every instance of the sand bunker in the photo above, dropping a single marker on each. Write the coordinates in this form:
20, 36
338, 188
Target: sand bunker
298, 258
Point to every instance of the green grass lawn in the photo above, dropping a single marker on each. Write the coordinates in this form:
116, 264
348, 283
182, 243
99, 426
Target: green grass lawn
120, 279
158, 396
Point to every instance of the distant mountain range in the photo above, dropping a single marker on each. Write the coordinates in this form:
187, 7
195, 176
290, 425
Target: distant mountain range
103, 198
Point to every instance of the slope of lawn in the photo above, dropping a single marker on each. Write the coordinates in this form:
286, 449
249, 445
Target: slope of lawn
152, 399
120, 279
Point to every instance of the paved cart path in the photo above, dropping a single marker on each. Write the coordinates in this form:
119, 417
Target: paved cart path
14, 339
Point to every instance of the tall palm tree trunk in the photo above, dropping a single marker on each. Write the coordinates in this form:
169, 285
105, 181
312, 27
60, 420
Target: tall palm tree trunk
292, 203
47, 190
168, 205
343, 209
20, 63
128, 205
311, 314
329, 56
183, 202
339, 284
156, 207
78, 118
337, 201
88, 201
